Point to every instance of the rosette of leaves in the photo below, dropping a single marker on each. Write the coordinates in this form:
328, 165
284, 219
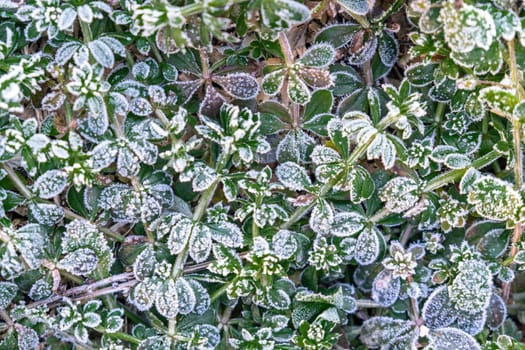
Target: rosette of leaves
142, 86
238, 133
143, 202
157, 286
219, 87
85, 250
88, 86
336, 165
297, 143
263, 276
257, 187
309, 71
399, 269
80, 318
42, 16
180, 230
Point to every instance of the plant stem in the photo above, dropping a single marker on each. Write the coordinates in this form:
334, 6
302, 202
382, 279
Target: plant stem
222, 289
518, 157
286, 49
456, 174
86, 31
69, 113
17, 182
120, 335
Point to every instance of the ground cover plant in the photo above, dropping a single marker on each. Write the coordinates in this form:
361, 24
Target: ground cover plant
262, 174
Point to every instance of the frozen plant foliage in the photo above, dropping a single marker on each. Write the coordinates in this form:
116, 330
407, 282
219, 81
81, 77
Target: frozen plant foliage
261, 174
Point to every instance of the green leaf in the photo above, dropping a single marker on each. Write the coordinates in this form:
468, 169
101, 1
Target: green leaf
420, 74
318, 56
337, 35
358, 7
50, 184
293, 176
318, 124
499, 99
362, 185
272, 82
320, 103
297, 90
8, 292
282, 14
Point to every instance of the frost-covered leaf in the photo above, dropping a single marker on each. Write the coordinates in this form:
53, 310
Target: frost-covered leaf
272, 82
185, 295
496, 312
388, 49
102, 53
80, 262
293, 176
281, 14
467, 27
50, 184
284, 244
400, 194
53, 101
179, 235
500, 99
385, 288
202, 298
438, 311
368, 246
141, 107
166, 300
240, 85
468, 179
471, 289
359, 7
27, 338
66, 19
46, 214
379, 331
319, 56
227, 233
337, 35
144, 265
200, 243
8, 292
104, 154
321, 217
494, 198
347, 224
452, 338
298, 91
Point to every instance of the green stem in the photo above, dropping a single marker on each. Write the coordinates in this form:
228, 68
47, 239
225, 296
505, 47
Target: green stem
86, 31
456, 174
222, 289
17, 182
120, 335
155, 51
69, 113
518, 156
